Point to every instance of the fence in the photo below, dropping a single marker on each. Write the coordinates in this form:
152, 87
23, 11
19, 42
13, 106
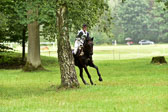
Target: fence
117, 52
129, 52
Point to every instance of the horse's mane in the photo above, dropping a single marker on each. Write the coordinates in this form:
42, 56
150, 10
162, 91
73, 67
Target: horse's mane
88, 38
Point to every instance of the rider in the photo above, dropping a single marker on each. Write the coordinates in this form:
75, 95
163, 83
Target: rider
81, 36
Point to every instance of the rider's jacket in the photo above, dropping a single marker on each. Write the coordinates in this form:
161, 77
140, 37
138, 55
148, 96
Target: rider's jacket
82, 35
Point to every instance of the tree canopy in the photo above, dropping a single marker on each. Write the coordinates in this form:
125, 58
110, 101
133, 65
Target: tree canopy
10, 27
58, 18
140, 19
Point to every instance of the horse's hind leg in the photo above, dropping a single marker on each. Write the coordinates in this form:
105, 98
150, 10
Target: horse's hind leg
81, 75
86, 70
94, 66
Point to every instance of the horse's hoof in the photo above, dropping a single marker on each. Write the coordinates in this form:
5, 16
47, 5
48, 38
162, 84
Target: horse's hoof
100, 79
93, 84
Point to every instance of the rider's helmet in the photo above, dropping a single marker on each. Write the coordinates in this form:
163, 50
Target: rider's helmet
84, 25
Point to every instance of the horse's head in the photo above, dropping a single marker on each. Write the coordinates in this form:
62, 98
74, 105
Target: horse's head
88, 46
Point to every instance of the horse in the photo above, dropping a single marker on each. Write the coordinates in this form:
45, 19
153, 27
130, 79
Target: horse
86, 60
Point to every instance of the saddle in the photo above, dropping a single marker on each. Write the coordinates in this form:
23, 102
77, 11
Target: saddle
80, 51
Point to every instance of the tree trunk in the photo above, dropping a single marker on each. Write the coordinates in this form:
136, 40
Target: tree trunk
159, 60
33, 58
65, 57
23, 43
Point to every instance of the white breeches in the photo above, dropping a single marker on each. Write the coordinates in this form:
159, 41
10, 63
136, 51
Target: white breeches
78, 42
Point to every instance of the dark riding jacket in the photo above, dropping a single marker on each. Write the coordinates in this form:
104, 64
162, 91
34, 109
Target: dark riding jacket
81, 34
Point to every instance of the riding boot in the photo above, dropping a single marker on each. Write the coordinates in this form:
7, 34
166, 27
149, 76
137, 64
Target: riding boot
78, 53
82, 53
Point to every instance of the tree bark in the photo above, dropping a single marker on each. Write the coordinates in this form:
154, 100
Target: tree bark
33, 58
65, 57
23, 43
159, 60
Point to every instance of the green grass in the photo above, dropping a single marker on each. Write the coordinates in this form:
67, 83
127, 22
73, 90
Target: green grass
129, 86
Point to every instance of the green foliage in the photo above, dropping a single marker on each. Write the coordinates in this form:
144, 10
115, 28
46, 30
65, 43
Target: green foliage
3, 24
7, 9
77, 13
159, 25
140, 19
132, 18
105, 24
10, 60
165, 2
101, 38
10, 27
4, 48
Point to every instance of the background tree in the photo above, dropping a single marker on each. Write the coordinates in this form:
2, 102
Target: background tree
10, 29
3, 26
132, 17
158, 24
58, 19
33, 58
139, 20
28, 16
165, 2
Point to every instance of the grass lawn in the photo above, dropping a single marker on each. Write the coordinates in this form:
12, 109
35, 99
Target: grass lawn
120, 52
132, 85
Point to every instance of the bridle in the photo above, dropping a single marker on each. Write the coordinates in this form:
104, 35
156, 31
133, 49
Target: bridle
88, 47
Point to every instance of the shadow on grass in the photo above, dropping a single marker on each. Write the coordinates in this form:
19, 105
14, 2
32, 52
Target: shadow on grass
20, 92
16, 92
59, 88
13, 60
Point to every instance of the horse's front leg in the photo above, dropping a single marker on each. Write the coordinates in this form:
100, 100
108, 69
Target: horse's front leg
81, 75
86, 70
94, 66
